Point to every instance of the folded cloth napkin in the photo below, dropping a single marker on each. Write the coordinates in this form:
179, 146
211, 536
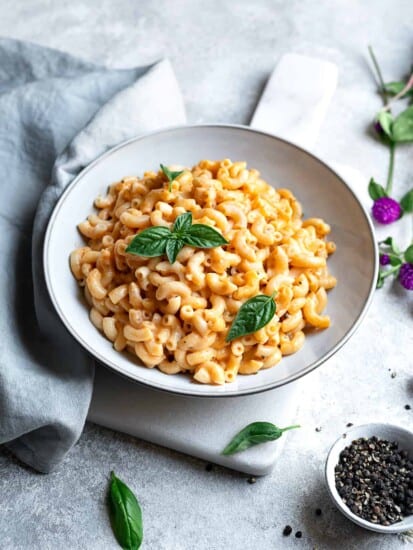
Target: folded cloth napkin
57, 114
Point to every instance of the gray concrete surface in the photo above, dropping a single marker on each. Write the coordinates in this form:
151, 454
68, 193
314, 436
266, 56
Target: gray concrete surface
222, 52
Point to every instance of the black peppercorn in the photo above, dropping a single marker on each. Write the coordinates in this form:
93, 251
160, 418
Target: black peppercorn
298, 535
374, 478
287, 530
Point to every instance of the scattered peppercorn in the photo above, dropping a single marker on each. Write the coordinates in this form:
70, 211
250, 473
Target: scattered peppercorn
318, 429
318, 512
287, 530
393, 374
349, 424
209, 467
407, 407
375, 480
298, 535
251, 480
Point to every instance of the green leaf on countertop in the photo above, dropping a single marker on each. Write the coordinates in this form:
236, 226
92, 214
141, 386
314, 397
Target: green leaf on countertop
253, 434
125, 515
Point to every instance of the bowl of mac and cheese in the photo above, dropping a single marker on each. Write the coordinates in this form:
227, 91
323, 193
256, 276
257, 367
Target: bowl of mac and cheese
219, 276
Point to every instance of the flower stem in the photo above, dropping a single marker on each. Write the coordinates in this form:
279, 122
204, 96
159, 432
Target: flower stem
390, 172
390, 271
379, 75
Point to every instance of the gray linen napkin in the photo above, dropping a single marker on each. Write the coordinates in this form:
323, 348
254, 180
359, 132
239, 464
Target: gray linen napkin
57, 114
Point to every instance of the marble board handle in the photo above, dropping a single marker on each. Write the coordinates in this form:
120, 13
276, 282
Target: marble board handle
296, 99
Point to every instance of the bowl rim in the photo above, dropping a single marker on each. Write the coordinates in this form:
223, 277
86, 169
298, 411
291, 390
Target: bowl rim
213, 393
330, 481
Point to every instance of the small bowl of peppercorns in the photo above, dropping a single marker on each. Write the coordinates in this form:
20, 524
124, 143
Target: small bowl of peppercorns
369, 474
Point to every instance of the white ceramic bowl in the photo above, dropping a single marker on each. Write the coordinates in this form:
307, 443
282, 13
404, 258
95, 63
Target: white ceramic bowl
322, 193
384, 431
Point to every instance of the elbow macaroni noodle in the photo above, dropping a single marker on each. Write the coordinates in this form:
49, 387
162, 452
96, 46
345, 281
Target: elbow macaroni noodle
176, 317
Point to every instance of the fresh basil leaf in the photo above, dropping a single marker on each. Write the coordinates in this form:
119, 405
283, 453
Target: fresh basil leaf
376, 191
171, 176
386, 122
254, 314
182, 223
253, 434
150, 242
173, 247
125, 515
408, 254
402, 128
203, 236
407, 202
394, 88
393, 246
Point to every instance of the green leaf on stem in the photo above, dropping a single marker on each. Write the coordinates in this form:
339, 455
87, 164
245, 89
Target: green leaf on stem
407, 202
376, 191
394, 88
380, 280
402, 127
393, 246
408, 254
385, 120
395, 260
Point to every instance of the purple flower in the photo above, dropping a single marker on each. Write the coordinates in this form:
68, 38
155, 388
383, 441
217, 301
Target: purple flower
386, 210
406, 276
384, 259
378, 128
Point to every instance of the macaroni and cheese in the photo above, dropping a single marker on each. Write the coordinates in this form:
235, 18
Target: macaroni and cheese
176, 316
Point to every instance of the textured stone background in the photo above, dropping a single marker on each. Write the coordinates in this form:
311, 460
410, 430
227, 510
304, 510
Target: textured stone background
222, 52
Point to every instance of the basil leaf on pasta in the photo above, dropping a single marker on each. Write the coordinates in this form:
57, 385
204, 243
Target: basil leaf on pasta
150, 242
253, 434
173, 247
203, 236
182, 223
125, 515
254, 314
171, 176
